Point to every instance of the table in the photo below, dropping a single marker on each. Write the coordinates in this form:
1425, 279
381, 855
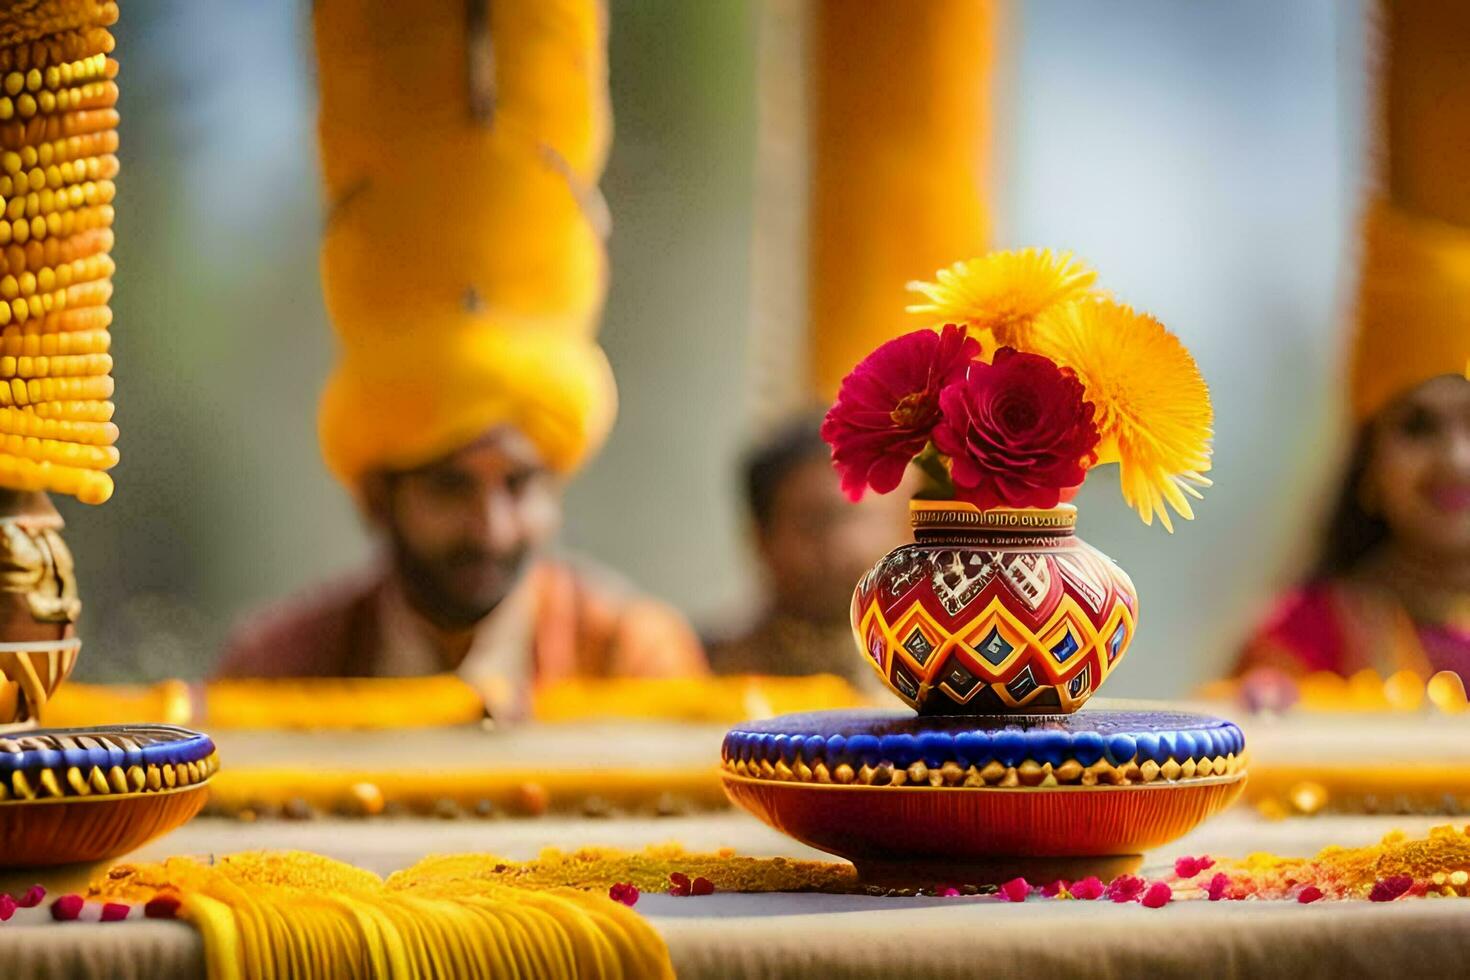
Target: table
729, 935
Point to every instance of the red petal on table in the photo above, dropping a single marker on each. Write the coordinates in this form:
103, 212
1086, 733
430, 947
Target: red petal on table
1015, 890
1309, 894
1217, 886
679, 884
32, 897
162, 907
1188, 867
115, 911
1088, 889
67, 907
1388, 889
625, 893
7, 907
1158, 895
1125, 888
1054, 889
702, 886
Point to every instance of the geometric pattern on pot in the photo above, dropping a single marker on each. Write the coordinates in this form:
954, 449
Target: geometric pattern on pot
974, 630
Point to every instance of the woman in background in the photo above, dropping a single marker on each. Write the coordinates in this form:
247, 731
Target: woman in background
1390, 589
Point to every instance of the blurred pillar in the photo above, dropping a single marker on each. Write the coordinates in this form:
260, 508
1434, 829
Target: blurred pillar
1414, 297
899, 130
874, 157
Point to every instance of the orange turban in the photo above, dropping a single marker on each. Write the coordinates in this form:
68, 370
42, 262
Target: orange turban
463, 260
1414, 307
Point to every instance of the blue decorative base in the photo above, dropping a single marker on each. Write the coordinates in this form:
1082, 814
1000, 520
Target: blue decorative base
984, 798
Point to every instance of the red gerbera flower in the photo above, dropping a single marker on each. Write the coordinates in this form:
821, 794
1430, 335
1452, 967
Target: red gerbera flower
888, 406
1018, 432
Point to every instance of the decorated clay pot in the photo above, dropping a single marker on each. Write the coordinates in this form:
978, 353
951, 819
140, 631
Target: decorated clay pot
38, 606
997, 611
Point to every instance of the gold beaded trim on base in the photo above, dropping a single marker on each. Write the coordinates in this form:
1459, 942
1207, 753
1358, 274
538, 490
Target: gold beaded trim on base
993, 774
73, 783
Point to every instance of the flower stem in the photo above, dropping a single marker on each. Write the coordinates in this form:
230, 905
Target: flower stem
937, 482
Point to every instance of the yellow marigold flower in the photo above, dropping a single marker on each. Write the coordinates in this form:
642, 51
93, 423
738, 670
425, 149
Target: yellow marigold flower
1003, 293
1152, 407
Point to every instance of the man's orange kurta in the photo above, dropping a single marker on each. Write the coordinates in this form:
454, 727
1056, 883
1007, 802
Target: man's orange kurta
579, 627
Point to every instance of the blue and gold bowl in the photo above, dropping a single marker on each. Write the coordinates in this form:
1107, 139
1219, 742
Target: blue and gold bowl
87, 794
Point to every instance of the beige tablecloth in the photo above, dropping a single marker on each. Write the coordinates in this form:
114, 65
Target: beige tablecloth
849, 936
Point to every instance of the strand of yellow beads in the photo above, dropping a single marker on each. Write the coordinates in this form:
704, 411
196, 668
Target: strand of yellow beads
57, 131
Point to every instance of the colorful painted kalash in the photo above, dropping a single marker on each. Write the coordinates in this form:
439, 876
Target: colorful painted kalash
997, 623
79, 794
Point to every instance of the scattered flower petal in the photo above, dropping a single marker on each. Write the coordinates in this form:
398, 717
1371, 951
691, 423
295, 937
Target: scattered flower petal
1055, 889
948, 891
1188, 867
115, 911
1388, 889
1309, 894
1217, 886
1015, 890
167, 906
1088, 889
1158, 895
701, 886
679, 885
67, 908
7, 907
32, 897
1125, 888
624, 892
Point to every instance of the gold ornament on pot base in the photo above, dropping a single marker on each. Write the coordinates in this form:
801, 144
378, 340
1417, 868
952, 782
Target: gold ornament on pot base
994, 611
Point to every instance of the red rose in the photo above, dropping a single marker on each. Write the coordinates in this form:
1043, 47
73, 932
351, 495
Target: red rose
888, 406
1018, 432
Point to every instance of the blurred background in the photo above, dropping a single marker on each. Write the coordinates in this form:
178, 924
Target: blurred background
1207, 159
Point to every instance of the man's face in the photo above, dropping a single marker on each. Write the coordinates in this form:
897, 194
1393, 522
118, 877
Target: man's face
817, 543
464, 527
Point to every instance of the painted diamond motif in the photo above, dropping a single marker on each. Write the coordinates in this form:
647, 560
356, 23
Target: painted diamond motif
1065, 647
1115, 645
995, 648
918, 644
1023, 685
960, 679
905, 682
1079, 684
